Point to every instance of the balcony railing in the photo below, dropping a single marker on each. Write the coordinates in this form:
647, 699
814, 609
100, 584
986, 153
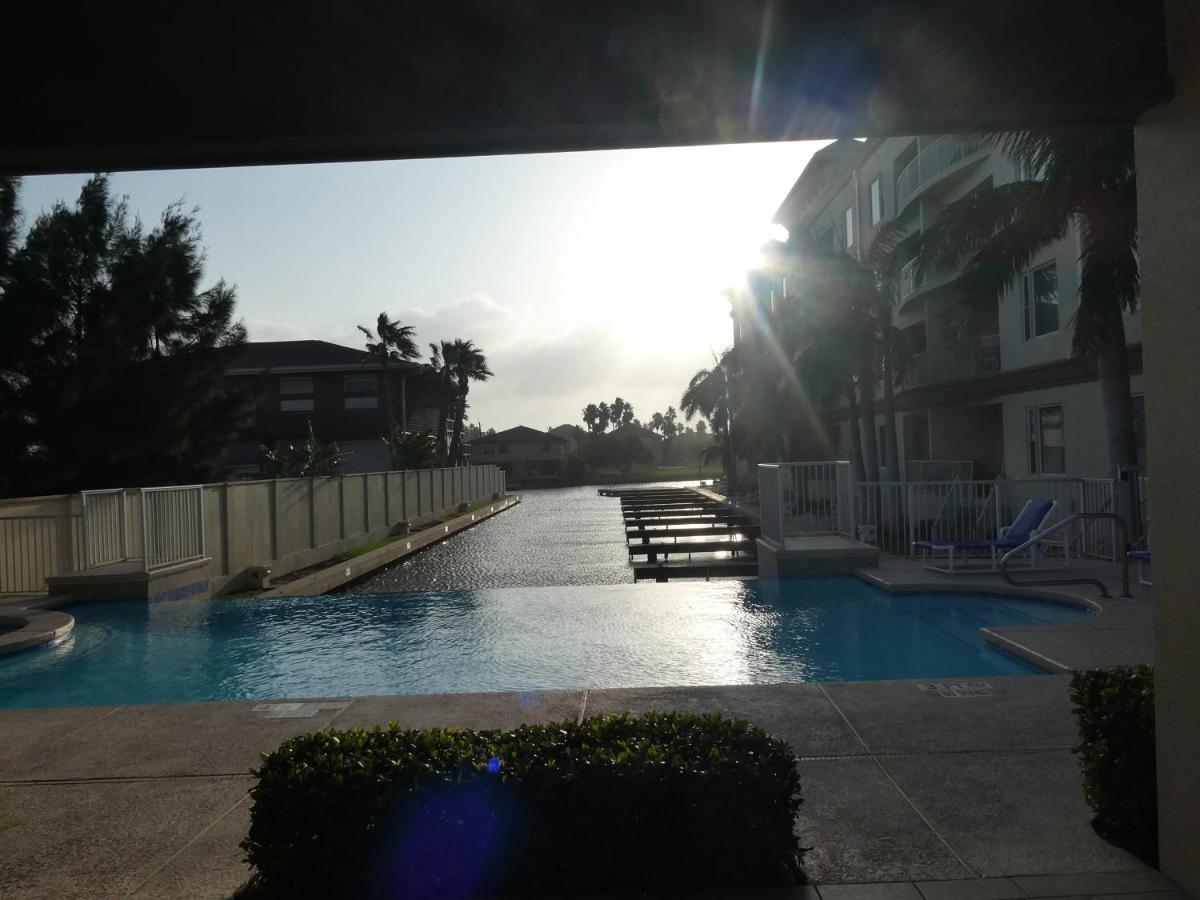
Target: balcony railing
911, 281
931, 160
952, 364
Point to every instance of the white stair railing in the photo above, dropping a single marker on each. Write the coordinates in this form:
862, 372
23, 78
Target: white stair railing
105, 524
172, 525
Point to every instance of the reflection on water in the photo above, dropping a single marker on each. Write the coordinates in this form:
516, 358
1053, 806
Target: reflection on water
514, 639
553, 536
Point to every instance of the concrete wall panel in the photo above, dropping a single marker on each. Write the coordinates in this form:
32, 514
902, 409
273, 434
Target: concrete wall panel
293, 524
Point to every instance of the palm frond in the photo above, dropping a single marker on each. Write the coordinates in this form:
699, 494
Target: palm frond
1012, 221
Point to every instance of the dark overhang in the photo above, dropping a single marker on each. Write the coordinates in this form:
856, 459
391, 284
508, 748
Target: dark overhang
143, 85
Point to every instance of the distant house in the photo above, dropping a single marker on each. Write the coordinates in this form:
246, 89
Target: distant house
525, 454
338, 389
572, 434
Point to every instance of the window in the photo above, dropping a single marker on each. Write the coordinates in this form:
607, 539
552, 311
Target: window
362, 403
305, 405
849, 227
487, 450
883, 445
296, 384
1039, 300
503, 448
545, 446
876, 202
1047, 440
360, 384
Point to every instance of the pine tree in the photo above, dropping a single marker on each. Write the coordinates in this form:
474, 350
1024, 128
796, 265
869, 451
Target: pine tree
113, 356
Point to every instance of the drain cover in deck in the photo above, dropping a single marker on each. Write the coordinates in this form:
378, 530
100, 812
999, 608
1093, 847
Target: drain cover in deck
957, 688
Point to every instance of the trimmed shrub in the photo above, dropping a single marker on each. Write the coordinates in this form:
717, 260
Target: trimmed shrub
1115, 710
659, 801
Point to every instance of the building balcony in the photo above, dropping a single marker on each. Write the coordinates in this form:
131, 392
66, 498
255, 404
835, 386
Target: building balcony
944, 364
912, 284
932, 161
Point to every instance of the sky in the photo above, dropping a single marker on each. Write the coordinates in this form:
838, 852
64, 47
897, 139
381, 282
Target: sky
582, 276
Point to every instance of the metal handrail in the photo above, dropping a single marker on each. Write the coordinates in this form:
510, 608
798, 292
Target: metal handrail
1059, 526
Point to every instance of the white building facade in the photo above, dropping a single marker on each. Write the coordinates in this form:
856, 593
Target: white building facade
1011, 400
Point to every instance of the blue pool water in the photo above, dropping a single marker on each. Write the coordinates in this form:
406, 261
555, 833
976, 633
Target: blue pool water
804, 629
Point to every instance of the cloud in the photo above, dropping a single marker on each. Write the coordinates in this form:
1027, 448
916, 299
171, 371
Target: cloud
478, 317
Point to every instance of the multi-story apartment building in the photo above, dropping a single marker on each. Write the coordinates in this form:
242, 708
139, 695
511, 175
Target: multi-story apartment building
338, 389
1013, 401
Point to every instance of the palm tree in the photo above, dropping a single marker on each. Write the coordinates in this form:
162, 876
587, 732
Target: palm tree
708, 395
1079, 176
467, 364
391, 341
617, 410
605, 412
591, 417
440, 356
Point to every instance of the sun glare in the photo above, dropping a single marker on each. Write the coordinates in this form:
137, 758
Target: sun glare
664, 240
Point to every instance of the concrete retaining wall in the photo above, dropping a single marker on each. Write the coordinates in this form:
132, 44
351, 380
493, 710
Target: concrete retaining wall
284, 524
287, 524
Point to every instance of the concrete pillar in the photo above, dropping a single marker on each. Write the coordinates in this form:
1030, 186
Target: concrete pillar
1168, 174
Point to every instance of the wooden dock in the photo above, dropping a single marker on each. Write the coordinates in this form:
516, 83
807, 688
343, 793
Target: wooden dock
707, 539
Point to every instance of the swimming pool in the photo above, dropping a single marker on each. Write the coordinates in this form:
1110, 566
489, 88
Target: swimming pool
685, 633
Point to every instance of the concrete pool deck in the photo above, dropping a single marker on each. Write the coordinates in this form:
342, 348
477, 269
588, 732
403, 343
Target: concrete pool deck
912, 789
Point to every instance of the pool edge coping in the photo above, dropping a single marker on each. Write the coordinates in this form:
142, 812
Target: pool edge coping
996, 637
35, 627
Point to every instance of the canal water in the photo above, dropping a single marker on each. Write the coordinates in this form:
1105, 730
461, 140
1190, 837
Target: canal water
554, 536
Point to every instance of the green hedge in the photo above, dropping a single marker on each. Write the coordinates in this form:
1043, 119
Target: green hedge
660, 801
1115, 710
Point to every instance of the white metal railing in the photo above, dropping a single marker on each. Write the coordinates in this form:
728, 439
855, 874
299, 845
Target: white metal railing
172, 525
808, 496
891, 515
939, 469
105, 525
911, 281
34, 547
880, 509
845, 499
1098, 538
954, 364
769, 507
931, 160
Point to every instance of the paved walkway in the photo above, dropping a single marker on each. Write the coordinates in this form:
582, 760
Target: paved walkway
911, 787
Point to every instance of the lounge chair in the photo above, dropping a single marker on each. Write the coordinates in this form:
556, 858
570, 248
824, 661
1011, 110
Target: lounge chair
1142, 557
1026, 525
